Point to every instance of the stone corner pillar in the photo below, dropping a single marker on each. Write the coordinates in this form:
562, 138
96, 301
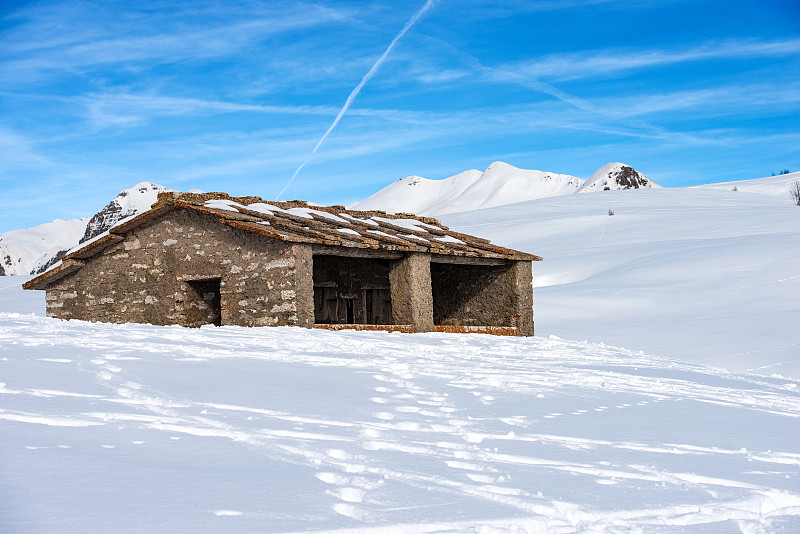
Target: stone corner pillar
412, 297
521, 280
304, 284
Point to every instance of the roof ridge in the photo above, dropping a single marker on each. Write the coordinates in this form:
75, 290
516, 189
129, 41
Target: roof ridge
168, 197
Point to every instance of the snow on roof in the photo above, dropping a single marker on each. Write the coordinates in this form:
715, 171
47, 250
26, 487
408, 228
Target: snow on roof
222, 204
412, 236
347, 231
378, 232
409, 224
448, 239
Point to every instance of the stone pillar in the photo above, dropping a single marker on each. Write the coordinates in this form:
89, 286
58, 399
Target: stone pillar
412, 299
304, 284
520, 280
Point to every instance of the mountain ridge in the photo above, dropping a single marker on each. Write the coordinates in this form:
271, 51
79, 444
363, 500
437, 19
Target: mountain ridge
500, 184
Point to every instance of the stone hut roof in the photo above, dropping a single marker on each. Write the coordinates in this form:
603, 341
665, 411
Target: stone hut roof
298, 222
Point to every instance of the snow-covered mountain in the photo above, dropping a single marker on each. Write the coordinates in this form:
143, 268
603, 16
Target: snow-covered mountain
499, 185
616, 177
22, 251
35, 249
129, 202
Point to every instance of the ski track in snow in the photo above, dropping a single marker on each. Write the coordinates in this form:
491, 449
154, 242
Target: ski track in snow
395, 432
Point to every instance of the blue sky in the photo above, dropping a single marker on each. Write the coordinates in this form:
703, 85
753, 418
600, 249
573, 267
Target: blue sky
234, 96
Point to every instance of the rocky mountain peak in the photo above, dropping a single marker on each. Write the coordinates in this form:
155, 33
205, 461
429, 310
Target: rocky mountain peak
127, 203
616, 177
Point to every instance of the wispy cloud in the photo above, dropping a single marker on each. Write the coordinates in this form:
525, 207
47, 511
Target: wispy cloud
125, 110
33, 50
19, 152
591, 64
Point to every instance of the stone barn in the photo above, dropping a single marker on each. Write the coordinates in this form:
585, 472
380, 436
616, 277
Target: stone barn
196, 259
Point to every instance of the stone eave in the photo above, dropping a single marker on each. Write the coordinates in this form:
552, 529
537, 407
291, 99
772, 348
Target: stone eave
67, 266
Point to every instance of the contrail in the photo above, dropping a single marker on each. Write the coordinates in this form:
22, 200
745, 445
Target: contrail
358, 88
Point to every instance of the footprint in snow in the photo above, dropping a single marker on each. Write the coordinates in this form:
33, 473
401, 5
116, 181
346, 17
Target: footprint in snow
349, 494
224, 513
338, 454
348, 510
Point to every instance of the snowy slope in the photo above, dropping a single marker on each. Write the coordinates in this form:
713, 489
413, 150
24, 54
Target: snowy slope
35, 249
139, 428
709, 276
21, 251
414, 193
500, 184
775, 185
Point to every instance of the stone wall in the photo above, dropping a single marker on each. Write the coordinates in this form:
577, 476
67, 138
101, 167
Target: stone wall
154, 274
481, 295
412, 301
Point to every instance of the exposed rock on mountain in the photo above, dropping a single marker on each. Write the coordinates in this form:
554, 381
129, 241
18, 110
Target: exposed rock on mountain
128, 203
48, 262
614, 177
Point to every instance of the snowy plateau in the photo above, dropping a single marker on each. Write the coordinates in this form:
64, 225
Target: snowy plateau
694, 426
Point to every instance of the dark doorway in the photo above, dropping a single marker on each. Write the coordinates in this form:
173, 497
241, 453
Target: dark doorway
204, 302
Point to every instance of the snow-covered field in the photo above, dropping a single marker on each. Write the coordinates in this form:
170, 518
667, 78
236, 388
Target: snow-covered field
138, 428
